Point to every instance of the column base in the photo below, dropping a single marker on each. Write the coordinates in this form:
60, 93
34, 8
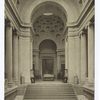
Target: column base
6, 83
89, 84
82, 82
16, 82
10, 84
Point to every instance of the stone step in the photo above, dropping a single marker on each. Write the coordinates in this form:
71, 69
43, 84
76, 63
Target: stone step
56, 97
50, 92
37, 93
19, 97
52, 99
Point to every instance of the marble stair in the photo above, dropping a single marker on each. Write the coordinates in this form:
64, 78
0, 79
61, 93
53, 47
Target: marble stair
50, 92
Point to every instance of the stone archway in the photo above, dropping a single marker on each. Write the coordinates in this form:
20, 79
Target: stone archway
48, 26
47, 50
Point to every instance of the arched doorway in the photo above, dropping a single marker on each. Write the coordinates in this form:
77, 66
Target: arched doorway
48, 26
48, 57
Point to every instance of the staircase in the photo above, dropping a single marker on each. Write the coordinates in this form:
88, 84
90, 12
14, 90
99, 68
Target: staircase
50, 92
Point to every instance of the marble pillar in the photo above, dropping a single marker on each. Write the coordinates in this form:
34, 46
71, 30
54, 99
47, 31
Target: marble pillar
66, 57
66, 53
24, 59
58, 63
19, 57
31, 53
83, 56
77, 57
37, 70
90, 52
55, 67
9, 51
15, 57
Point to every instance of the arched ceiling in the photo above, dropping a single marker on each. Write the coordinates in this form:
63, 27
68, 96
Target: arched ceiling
48, 24
47, 45
49, 8
27, 7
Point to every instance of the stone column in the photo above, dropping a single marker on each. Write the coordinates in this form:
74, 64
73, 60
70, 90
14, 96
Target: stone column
90, 52
66, 58
31, 52
66, 53
15, 57
55, 67
58, 62
83, 56
37, 62
19, 58
9, 51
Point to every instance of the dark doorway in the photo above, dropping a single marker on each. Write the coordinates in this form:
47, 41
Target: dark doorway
47, 66
62, 70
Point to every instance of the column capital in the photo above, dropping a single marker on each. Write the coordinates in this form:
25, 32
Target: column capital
15, 31
66, 39
8, 23
58, 52
82, 32
90, 23
36, 51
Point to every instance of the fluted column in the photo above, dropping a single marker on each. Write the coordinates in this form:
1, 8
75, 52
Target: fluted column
90, 52
15, 57
9, 51
83, 56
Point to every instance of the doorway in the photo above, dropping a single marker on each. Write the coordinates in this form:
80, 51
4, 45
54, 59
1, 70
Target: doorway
47, 66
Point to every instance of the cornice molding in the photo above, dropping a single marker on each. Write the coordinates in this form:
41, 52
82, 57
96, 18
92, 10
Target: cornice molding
16, 14
89, 5
84, 24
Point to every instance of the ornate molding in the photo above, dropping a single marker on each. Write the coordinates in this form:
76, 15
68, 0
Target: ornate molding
83, 32
88, 8
80, 18
14, 30
8, 23
13, 13
90, 23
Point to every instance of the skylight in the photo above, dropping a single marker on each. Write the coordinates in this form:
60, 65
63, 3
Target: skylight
47, 14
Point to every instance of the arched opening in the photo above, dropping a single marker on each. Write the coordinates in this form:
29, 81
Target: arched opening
48, 8
47, 47
48, 17
48, 25
48, 58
